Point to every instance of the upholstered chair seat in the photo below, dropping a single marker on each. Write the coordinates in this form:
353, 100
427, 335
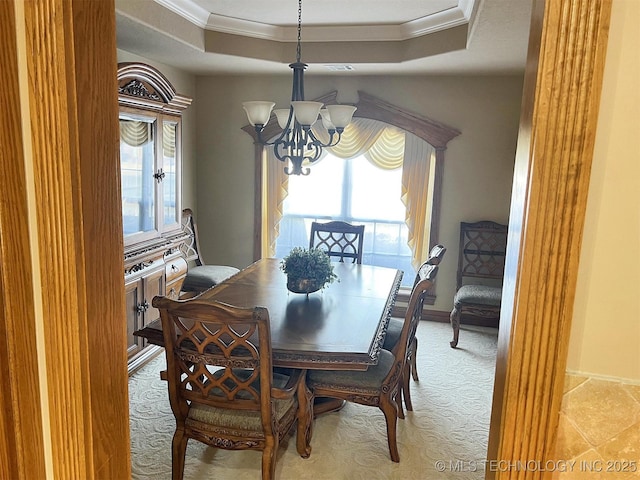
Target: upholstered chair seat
371, 379
203, 277
478, 295
248, 420
393, 332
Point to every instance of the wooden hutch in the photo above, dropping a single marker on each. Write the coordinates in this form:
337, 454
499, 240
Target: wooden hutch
151, 178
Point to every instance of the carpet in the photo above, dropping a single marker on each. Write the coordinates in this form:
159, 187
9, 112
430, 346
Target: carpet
445, 437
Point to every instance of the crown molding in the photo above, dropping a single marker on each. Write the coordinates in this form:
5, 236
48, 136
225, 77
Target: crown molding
188, 10
443, 20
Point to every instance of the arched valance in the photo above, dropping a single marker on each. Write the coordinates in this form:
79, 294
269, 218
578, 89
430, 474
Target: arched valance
435, 134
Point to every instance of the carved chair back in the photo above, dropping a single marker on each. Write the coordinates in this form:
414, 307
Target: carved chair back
190, 247
482, 253
436, 254
424, 281
218, 355
339, 239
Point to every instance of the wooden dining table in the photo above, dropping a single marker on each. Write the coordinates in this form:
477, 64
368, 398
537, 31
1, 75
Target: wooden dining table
340, 327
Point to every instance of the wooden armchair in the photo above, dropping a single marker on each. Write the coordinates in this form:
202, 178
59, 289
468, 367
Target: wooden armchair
200, 277
222, 388
380, 385
339, 239
481, 260
395, 327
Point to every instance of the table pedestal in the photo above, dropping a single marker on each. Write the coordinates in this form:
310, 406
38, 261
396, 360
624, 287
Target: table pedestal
327, 404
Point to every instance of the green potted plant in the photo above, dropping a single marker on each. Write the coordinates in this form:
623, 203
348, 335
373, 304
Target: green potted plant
307, 270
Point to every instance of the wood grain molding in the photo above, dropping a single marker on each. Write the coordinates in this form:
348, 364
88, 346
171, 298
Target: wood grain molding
82, 432
21, 431
553, 161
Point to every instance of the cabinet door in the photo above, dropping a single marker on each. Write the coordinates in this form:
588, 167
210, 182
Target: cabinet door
139, 177
153, 285
171, 168
133, 299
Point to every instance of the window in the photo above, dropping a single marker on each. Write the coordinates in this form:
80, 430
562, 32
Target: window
355, 191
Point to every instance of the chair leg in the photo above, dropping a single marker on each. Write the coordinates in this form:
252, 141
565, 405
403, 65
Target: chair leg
455, 324
269, 458
178, 451
401, 393
414, 362
406, 394
305, 420
390, 409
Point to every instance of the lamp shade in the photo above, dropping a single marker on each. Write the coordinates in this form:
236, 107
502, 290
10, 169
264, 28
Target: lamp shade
282, 114
326, 119
306, 112
341, 114
258, 113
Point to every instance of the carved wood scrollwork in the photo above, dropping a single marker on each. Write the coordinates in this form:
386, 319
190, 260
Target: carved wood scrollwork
227, 443
138, 267
136, 88
141, 85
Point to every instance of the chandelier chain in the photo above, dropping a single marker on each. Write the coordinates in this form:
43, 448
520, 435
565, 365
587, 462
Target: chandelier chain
297, 143
299, 30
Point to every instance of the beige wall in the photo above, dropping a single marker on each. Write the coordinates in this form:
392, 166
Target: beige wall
605, 336
185, 84
478, 170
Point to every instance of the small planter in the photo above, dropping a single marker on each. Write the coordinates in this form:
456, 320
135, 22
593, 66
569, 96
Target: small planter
307, 270
302, 285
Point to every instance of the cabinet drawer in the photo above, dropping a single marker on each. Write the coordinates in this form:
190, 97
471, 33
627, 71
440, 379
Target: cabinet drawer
173, 289
175, 268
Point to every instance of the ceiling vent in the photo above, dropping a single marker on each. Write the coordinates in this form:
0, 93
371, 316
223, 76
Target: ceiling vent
340, 68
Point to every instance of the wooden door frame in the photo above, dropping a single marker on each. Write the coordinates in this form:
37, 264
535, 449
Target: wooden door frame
561, 98
63, 353
61, 280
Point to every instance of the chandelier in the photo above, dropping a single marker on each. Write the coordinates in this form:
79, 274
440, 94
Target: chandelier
297, 142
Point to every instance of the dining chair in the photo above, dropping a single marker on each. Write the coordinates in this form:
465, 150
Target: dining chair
200, 276
395, 327
481, 259
339, 239
222, 388
380, 385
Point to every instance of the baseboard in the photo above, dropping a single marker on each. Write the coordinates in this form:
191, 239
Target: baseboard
142, 358
443, 317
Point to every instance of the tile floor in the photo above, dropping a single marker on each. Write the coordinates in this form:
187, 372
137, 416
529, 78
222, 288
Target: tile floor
599, 430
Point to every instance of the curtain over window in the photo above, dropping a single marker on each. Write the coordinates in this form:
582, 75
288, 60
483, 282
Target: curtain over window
386, 147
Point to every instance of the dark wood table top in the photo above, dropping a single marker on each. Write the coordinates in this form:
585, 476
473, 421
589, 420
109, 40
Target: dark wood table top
341, 327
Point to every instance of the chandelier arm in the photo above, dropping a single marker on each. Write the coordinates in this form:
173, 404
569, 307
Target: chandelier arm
317, 152
280, 153
330, 143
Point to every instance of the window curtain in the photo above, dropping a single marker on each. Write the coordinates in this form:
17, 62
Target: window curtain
136, 133
386, 147
275, 189
169, 139
417, 195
